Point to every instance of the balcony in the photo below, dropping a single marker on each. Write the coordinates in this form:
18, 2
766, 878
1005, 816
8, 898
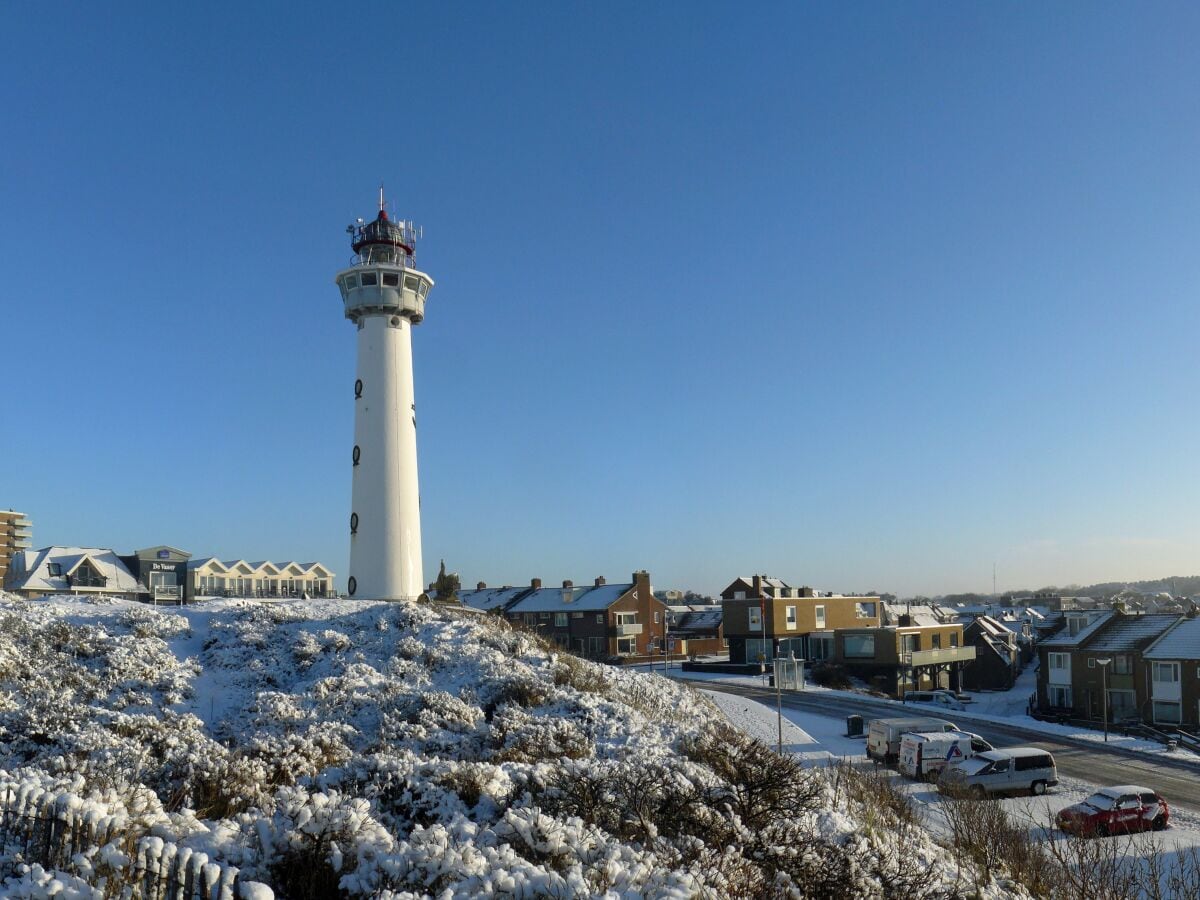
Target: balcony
936, 657
626, 630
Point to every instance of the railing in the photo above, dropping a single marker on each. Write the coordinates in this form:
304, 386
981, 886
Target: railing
933, 657
627, 630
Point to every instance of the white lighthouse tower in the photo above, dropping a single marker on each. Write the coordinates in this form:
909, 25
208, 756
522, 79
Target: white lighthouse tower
384, 295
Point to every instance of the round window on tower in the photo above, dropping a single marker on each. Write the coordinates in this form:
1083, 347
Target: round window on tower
352, 586
396, 320
354, 523
357, 454
357, 388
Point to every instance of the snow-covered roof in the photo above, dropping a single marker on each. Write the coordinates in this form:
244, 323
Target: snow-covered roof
1131, 632
1179, 642
528, 599
1062, 639
30, 570
697, 620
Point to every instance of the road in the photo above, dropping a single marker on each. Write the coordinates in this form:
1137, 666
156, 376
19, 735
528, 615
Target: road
1098, 765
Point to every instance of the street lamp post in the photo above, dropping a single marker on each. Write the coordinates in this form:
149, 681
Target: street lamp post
1103, 664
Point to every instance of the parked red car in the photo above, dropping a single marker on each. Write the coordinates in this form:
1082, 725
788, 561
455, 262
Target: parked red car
1116, 810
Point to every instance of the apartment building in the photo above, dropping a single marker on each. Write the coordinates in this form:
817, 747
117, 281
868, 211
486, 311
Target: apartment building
619, 622
211, 577
15, 536
895, 658
764, 617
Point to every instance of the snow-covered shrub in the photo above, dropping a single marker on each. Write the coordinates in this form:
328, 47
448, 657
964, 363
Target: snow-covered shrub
410, 750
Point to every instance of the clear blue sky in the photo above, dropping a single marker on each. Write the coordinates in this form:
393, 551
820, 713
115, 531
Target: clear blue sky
866, 297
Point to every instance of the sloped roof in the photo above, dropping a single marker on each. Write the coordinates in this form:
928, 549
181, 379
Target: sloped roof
32, 572
1131, 632
698, 620
1179, 642
528, 599
1062, 639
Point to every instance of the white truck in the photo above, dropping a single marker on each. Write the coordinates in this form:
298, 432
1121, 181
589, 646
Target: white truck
883, 735
924, 755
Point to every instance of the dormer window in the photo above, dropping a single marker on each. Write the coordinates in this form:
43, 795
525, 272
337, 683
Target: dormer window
55, 569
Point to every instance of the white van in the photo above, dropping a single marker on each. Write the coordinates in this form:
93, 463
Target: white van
925, 755
1000, 772
883, 735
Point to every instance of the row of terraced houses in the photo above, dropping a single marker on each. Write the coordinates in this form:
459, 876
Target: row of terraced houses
1146, 668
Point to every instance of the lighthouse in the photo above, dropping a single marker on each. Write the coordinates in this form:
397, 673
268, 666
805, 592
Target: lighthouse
384, 296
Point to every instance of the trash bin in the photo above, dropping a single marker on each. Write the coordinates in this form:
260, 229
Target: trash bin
854, 726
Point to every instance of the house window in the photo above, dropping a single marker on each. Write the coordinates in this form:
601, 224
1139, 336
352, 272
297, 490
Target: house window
759, 650
391, 279
858, 646
864, 610
937, 641
657, 618
626, 618
544, 615
820, 646
599, 618
1122, 665
351, 281
1166, 713
368, 278
560, 620
595, 646
1059, 660
1091, 662
1166, 672
954, 639
1059, 695
739, 595
819, 611
530, 618
626, 646
755, 619
791, 617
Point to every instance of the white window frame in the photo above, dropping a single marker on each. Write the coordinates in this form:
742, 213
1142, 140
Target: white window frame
1064, 693
629, 642
819, 616
1154, 704
1055, 660
790, 616
754, 619
1173, 667
560, 620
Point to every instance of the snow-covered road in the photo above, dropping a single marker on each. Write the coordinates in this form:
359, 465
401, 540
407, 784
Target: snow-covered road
821, 739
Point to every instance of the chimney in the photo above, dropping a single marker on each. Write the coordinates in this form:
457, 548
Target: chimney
641, 581
535, 583
600, 580
757, 586
568, 591
481, 586
568, 583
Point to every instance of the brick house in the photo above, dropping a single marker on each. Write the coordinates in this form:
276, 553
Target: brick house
1172, 666
1072, 677
620, 622
792, 615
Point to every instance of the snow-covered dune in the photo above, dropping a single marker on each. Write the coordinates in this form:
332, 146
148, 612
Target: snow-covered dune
404, 750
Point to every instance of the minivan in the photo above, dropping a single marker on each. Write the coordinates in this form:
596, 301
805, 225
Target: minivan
883, 735
1000, 772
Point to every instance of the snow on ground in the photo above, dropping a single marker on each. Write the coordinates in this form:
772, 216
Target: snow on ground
406, 750
999, 707
813, 736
